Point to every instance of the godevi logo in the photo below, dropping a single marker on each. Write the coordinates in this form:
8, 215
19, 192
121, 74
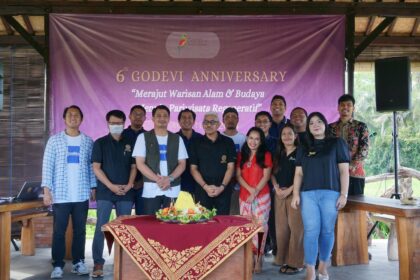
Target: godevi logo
192, 45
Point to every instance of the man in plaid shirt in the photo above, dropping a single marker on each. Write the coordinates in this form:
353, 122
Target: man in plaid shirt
67, 178
356, 134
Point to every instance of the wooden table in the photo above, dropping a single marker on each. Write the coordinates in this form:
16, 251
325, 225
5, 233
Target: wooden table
129, 264
28, 248
351, 233
237, 266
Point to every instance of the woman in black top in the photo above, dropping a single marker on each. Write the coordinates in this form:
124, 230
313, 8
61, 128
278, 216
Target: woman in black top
289, 227
320, 187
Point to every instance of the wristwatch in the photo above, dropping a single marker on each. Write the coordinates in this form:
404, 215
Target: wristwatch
171, 179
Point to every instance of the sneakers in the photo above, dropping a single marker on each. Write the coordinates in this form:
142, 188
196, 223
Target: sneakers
98, 271
80, 268
57, 273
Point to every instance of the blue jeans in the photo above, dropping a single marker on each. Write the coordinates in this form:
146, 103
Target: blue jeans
61, 214
103, 212
319, 214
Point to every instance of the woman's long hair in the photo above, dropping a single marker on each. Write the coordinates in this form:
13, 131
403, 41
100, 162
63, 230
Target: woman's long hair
281, 149
310, 140
261, 150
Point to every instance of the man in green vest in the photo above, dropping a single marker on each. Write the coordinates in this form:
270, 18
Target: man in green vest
161, 158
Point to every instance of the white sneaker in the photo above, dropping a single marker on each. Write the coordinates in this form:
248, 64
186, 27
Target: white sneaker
80, 268
57, 273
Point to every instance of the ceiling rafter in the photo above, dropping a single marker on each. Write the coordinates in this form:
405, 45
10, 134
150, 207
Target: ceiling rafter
415, 27
391, 28
38, 7
370, 25
375, 33
28, 25
9, 30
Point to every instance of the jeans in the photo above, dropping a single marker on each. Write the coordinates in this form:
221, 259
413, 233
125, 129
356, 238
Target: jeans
319, 214
61, 214
103, 212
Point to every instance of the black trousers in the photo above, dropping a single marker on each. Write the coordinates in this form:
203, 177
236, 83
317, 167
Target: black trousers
221, 202
61, 214
152, 205
356, 186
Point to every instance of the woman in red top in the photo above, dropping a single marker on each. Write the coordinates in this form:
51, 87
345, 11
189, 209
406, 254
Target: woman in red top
253, 170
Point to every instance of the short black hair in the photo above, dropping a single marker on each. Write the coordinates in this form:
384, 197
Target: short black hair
137, 107
345, 98
230, 110
72, 107
186, 110
160, 107
299, 108
278, 97
264, 113
116, 113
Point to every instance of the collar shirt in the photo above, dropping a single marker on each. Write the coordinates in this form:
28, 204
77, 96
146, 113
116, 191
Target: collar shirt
54, 168
116, 159
212, 158
356, 134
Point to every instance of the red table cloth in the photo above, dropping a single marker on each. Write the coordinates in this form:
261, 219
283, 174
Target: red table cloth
179, 251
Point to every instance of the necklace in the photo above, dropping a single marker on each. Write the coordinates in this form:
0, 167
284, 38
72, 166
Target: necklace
248, 164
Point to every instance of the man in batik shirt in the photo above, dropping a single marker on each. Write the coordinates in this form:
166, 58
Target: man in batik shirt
356, 134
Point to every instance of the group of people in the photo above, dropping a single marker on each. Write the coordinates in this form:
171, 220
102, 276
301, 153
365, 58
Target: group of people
290, 175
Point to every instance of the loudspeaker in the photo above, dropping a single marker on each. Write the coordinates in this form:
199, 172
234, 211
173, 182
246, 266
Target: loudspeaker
393, 84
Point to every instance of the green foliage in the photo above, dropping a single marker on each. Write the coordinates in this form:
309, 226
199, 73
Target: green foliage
381, 156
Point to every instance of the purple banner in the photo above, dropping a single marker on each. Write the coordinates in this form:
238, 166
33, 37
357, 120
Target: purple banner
205, 63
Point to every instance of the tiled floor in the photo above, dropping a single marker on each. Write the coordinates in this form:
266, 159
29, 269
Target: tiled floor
38, 267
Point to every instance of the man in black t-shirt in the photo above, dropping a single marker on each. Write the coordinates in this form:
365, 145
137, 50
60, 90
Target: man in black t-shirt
212, 161
115, 171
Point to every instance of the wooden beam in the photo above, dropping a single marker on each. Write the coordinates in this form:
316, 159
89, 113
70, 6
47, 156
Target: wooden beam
25, 35
375, 33
350, 52
394, 41
415, 26
28, 25
39, 7
9, 30
370, 25
391, 28
16, 40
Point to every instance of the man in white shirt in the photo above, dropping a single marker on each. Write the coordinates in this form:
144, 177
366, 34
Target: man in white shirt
161, 158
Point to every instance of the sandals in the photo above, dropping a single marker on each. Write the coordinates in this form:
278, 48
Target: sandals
289, 270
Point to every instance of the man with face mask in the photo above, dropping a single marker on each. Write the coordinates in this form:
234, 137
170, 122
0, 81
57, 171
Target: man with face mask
115, 171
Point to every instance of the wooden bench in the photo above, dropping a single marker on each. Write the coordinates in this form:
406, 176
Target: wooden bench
6, 210
351, 242
392, 248
27, 235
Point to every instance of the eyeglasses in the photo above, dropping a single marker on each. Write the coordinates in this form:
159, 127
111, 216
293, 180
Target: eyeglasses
210, 123
263, 122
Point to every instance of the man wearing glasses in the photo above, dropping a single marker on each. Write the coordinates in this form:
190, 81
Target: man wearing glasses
116, 171
213, 160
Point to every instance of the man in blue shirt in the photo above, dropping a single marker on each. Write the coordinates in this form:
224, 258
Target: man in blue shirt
67, 178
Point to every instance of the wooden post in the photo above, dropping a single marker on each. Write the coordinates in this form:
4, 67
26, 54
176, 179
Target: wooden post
6, 231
